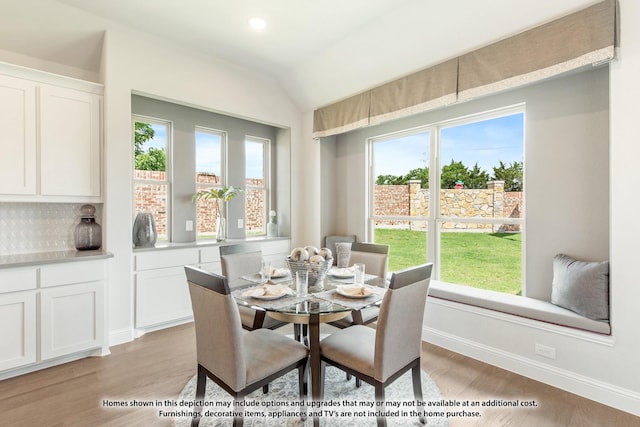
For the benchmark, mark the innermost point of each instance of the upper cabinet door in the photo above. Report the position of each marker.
(69, 142)
(17, 136)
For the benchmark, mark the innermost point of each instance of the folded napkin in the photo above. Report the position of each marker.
(268, 291)
(357, 290)
(279, 272)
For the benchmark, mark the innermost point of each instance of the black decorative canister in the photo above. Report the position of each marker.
(88, 233)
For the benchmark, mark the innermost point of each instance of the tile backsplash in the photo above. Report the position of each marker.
(39, 227)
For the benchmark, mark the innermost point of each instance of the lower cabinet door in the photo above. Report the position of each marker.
(71, 319)
(162, 296)
(18, 331)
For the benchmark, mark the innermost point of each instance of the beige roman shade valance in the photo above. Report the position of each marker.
(418, 92)
(343, 116)
(568, 43)
(582, 38)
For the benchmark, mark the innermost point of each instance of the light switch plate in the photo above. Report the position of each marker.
(240, 223)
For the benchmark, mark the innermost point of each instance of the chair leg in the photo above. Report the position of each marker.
(265, 389)
(200, 388)
(417, 389)
(381, 421)
(358, 382)
(238, 420)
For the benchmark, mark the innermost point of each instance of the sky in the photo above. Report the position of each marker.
(485, 143)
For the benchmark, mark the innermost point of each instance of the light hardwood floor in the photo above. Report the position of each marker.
(157, 365)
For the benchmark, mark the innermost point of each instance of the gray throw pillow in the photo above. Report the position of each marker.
(580, 286)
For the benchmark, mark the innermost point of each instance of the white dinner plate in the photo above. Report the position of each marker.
(342, 273)
(354, 291)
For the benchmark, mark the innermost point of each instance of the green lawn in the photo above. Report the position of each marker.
(483, 260)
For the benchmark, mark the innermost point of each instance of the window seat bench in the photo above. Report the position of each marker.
(516, 305)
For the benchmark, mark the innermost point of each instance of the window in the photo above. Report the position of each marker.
(256, 185)
(152, 186)
(210, 172)
(464, 214)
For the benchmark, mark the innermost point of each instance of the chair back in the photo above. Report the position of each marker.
(375, 257)
(399, 328)
(239, 260)
(219, 342)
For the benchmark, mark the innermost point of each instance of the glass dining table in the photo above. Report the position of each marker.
(325, 303)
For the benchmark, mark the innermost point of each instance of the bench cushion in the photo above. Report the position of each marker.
(530, 308)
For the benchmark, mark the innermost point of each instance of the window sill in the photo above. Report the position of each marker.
(515, 305)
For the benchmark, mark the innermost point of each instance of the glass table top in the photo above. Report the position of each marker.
(321, 299)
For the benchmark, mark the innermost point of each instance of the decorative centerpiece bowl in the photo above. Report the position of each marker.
(317, 270)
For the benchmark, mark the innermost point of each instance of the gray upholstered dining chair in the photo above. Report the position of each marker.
(375, 258)
(241, 260)
(237, 361)
(380, 356)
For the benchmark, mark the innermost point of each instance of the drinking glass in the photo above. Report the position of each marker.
(302, 283)
(265, 271)
(359, 273)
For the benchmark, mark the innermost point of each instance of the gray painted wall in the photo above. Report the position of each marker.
(184, 120)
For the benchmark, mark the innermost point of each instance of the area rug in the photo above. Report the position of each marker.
(344, 404)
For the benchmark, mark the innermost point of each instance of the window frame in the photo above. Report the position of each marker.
(168, 167)
(223, 169)
(266, 181)
(434, 220)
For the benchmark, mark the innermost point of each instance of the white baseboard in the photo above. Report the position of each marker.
(617, 397)
(121, 336)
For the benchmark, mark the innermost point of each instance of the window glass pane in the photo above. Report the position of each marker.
(151, 185)
(153, 198)
(470, 153)
(484, 258)
(407, 242)
(254, 158)
(255, 186)
(208, 155)
(209, 172)
(481, 179)
(400, 190)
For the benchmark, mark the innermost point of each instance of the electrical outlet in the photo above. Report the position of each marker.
(188, 225)
(545, 351)
(240, 223)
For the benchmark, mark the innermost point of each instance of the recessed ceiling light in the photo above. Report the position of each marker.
(258, 23)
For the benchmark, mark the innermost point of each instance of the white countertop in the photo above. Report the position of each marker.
(38, 258)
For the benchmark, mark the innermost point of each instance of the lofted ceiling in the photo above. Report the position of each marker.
(320, 51)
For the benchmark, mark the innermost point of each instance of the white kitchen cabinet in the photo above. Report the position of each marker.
(162, 294)
(51, 313)
(71, 308)
(71, 319)
(50, 137)
(70, 147)
(17, 136)
(18, 333)
(17, 317)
